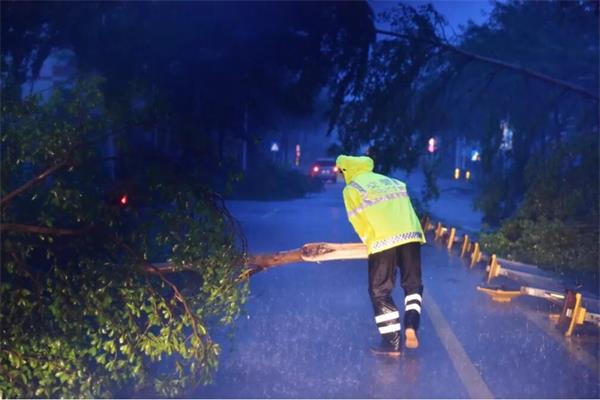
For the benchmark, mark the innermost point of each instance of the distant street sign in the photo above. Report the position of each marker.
(507, 137)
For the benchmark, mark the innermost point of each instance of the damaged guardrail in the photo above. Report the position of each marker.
(573, 313)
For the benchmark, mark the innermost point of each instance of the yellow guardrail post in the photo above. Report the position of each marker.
(573, 313)
(438, 231)
(451, 238)
(493, 268)
(429, 226)
(465, 246)
(426, 224)
(577, 315)
(475, 255)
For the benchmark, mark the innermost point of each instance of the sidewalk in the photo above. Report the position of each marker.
(454, 206)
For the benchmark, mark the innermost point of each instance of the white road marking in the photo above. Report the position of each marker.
(469, 375)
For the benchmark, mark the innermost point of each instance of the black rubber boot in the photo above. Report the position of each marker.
(391, 345)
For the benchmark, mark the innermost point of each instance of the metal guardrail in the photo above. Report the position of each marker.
(573, 313)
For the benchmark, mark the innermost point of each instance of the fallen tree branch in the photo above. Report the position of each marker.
(38, 179)
(505, 65)
(150, 268)
(310, 252)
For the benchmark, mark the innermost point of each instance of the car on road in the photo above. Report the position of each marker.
(324, 169)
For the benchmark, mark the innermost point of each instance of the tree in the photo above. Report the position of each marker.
(443, 76)
(206, 70)
(84, 311)
(542, 82)
(538, 111)
(88, 307)
(383, 112)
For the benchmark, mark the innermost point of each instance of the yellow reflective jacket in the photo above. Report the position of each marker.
(378, 207)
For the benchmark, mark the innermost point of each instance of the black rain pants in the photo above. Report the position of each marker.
(382, 279)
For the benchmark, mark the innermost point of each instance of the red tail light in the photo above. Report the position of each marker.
(123, 200)
(335, 169)
(316, 168)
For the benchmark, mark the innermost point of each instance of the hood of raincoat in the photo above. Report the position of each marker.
(352, 166)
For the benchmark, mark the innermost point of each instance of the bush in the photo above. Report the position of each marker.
(557, 224)
(551, 244)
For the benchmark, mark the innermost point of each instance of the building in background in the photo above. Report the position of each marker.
(58, 69)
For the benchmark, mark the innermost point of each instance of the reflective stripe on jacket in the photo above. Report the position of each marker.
(378, 207)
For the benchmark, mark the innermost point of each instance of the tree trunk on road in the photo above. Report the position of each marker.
(311, 252)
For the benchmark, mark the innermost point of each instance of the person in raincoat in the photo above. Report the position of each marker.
(382, 215)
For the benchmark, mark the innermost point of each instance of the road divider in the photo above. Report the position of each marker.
(466, 246)
(451, 238)
(573, 312)
(475, 255)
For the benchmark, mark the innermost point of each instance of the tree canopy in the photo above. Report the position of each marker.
(204, 69)
(84, 310)
(532, 66)
(114, 280)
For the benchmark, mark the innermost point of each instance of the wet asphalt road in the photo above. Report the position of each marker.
(308, 327)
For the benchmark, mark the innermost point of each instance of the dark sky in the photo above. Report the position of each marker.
(457, 12)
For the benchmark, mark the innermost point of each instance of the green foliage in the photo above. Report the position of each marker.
(417, 87)
(271, 181)
(86, 315)
(391, 111)
(551, 244)
(83, 313)
(557, 224)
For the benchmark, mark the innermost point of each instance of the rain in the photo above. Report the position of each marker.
(199, 199)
